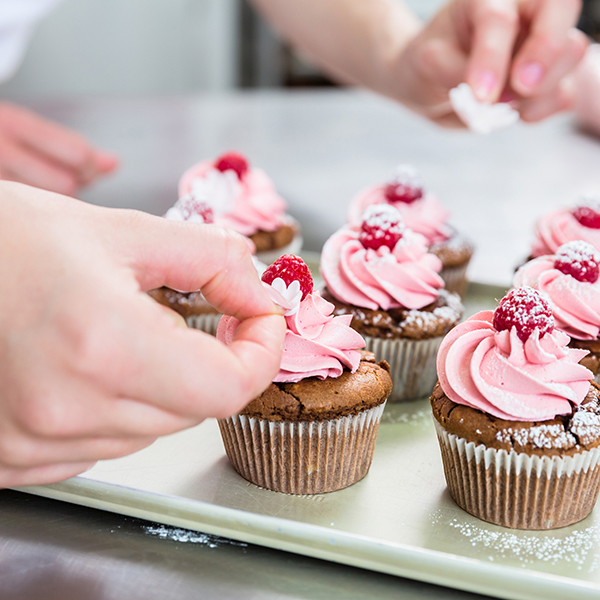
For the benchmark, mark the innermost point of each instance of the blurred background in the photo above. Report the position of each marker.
(171, 46)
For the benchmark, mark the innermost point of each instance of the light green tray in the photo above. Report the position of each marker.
(400, 519)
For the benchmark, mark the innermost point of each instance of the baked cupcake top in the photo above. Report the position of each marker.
(512, 363)
(242, 197)
(570, 281)
(316, 343)
(568, 224)
(405, 191)
(382, 264)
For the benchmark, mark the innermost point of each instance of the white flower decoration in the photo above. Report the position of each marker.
(219, 188)
(288, 297)
(479, 116)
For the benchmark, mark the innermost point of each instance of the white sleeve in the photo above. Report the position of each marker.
(17, 22)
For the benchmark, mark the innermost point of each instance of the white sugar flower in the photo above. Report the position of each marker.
(288, 297)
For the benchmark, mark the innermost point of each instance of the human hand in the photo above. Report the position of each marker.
(523, 51)
(39, 152)
(91, 367)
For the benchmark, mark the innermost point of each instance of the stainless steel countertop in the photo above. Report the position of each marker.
(320, 148)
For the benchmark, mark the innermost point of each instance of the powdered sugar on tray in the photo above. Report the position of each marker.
(194, 537)
(579, 547)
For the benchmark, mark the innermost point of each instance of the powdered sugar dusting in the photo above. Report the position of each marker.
(577, 547)
(177, 534)
(539, 436)
(579, 259)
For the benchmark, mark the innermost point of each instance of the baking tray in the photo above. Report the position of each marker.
(399, 519)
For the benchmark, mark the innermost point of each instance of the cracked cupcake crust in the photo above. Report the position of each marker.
(186, 304)
(434, 320)
(314, 399)
(564, 435)
(456, 251)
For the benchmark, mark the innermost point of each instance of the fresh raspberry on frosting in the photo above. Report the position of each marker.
(525, 309)
(578, 259)
(406, 185)
(232, 161)
(191, 208)
(588, 212)
(290, 268)
(382, 225)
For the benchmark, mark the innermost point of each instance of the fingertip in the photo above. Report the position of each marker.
(106, 162)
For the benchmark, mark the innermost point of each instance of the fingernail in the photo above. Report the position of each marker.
(530, 74)
(278, 310)
(485, 83)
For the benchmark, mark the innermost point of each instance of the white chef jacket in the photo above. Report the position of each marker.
(17, 22)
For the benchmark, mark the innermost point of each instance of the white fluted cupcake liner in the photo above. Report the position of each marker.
(517, 490)
(207, 322)
(302, 457)
(455, 279)
(270, 256)
(412, 364)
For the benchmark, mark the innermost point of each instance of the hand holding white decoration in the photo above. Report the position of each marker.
(481, 117)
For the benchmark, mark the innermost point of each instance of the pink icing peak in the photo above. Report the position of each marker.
(525, 310)
(316, 343)
(497, 373)
(406, 276)
(382, 225)
(578, 259)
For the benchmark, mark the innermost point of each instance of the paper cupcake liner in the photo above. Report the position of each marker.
(302, 457)
(517, 490)
(270, 256)
(206, 322)
(412, 363)
(455, 278)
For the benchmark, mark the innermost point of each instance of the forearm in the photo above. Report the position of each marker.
(356, 41)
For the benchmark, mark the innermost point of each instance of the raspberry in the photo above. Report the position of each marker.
(382, 225)
(232, 161)
(588, 212)
(578, 259)
(406, 185)
(189, 206)
(526, 309)
(290, 268)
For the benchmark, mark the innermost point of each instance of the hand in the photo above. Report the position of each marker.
(91, 367)
(521, 50)
(44, 154)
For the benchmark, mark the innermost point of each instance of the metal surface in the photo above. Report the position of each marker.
(399, 520)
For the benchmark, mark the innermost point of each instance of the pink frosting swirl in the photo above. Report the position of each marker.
(425, 216)
(497, 373)
(247, 205)
(406, 276)
(316, 344)
(557, 228)
(575, 304)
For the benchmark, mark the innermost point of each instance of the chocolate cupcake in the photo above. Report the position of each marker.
(422, 213)
(313, 430)
(517, 420)
(571, 283)
(383, 276)
(244, 198)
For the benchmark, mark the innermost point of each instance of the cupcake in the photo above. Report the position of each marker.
(384, 277)
(314, 428)
(243, 198)
(517, 419)
(423, 213)
(570, 281)
(566, 225)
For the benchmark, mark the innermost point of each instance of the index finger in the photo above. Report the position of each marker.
(495, 28)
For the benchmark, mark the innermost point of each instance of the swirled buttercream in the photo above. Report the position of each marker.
(316, 344)
(575, 304)
(425, 215)
(557, 228)
(497, 373)
(406, 276)
(247, 205)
